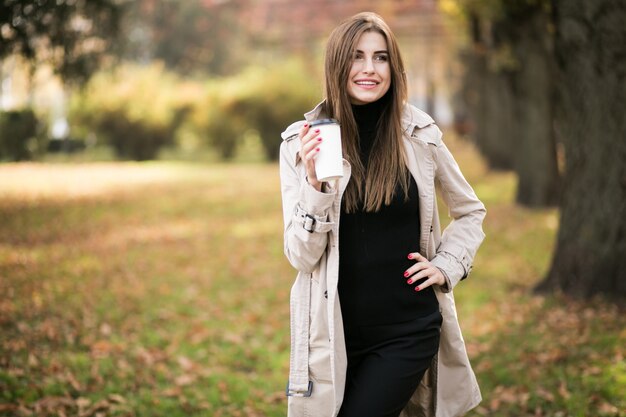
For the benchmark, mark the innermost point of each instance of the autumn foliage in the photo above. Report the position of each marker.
(161, 289)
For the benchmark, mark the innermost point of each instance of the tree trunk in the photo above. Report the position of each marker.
(590, 255)
(1, 84)
(535, 146)
(490, 107)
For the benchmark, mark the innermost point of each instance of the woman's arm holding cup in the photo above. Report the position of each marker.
(310, 140)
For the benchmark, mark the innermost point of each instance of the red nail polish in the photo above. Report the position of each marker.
(406, 274)
(317, 131)
(417, 288)
(319, 139)
(317, 150)
(306, 125)
(409, 256)
(409, 281)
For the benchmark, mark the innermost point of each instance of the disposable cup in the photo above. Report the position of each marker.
(329, 159)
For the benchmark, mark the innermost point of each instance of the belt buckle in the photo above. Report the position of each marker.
(309, 223)
(306, 393)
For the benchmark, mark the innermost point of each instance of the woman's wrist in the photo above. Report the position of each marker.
(315, 184)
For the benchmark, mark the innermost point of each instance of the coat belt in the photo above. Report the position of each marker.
(299, 384)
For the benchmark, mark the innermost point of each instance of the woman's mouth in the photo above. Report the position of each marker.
(367, 84)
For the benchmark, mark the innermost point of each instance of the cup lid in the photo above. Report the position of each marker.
(323, 122)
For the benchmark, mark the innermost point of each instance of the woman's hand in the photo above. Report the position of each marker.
(309, 141)
(423, 269)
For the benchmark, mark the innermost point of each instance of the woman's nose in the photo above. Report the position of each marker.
(368, 66)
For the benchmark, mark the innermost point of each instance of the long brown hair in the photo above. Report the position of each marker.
(386, 165)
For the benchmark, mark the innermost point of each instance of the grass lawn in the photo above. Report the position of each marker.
(161, 289)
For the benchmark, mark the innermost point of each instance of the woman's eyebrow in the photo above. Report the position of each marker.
(376, 52)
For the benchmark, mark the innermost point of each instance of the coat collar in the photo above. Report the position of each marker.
(318, 112)
(413, 119)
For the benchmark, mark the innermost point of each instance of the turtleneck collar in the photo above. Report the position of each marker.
(367, 115)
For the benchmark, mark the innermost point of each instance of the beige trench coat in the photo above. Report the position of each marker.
(311, 220)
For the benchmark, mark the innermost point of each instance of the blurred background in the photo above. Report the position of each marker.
(141, 265)
(147, 76)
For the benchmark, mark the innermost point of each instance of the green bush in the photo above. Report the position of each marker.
(279, 96)
(219, 116)
(136, 110)
(265, 99)
(20, 137)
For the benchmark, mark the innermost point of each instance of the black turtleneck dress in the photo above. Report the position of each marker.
(391, 330)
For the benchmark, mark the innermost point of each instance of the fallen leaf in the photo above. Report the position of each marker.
(32, 360)
(545, 394)
(563, 392)
(96, 409)
(184, 380)
(83, 402)
(185, 363)
(105, 329)
(607, 408)
(8, 407)
(117, 398)
(172, 392)
(102, 348)
(73, 381)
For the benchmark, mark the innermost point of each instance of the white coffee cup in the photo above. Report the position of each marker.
(329, 159)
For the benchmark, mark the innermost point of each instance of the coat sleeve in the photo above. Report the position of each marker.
(305, 215)
(461, 239)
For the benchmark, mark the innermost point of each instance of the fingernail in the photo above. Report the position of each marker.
(409, 281)
(319, 139)
(406, 273)
(306, 125)
(317, 150)
(417, 288)
(317, 131)
(410, 256)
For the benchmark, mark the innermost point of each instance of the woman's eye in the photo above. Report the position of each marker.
(380, 58)
(358, 57)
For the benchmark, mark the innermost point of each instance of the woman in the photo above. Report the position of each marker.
(374, 330)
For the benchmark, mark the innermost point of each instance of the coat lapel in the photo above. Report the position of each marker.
(421, 167)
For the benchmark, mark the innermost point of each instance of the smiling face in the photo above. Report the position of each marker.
(370, 74)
